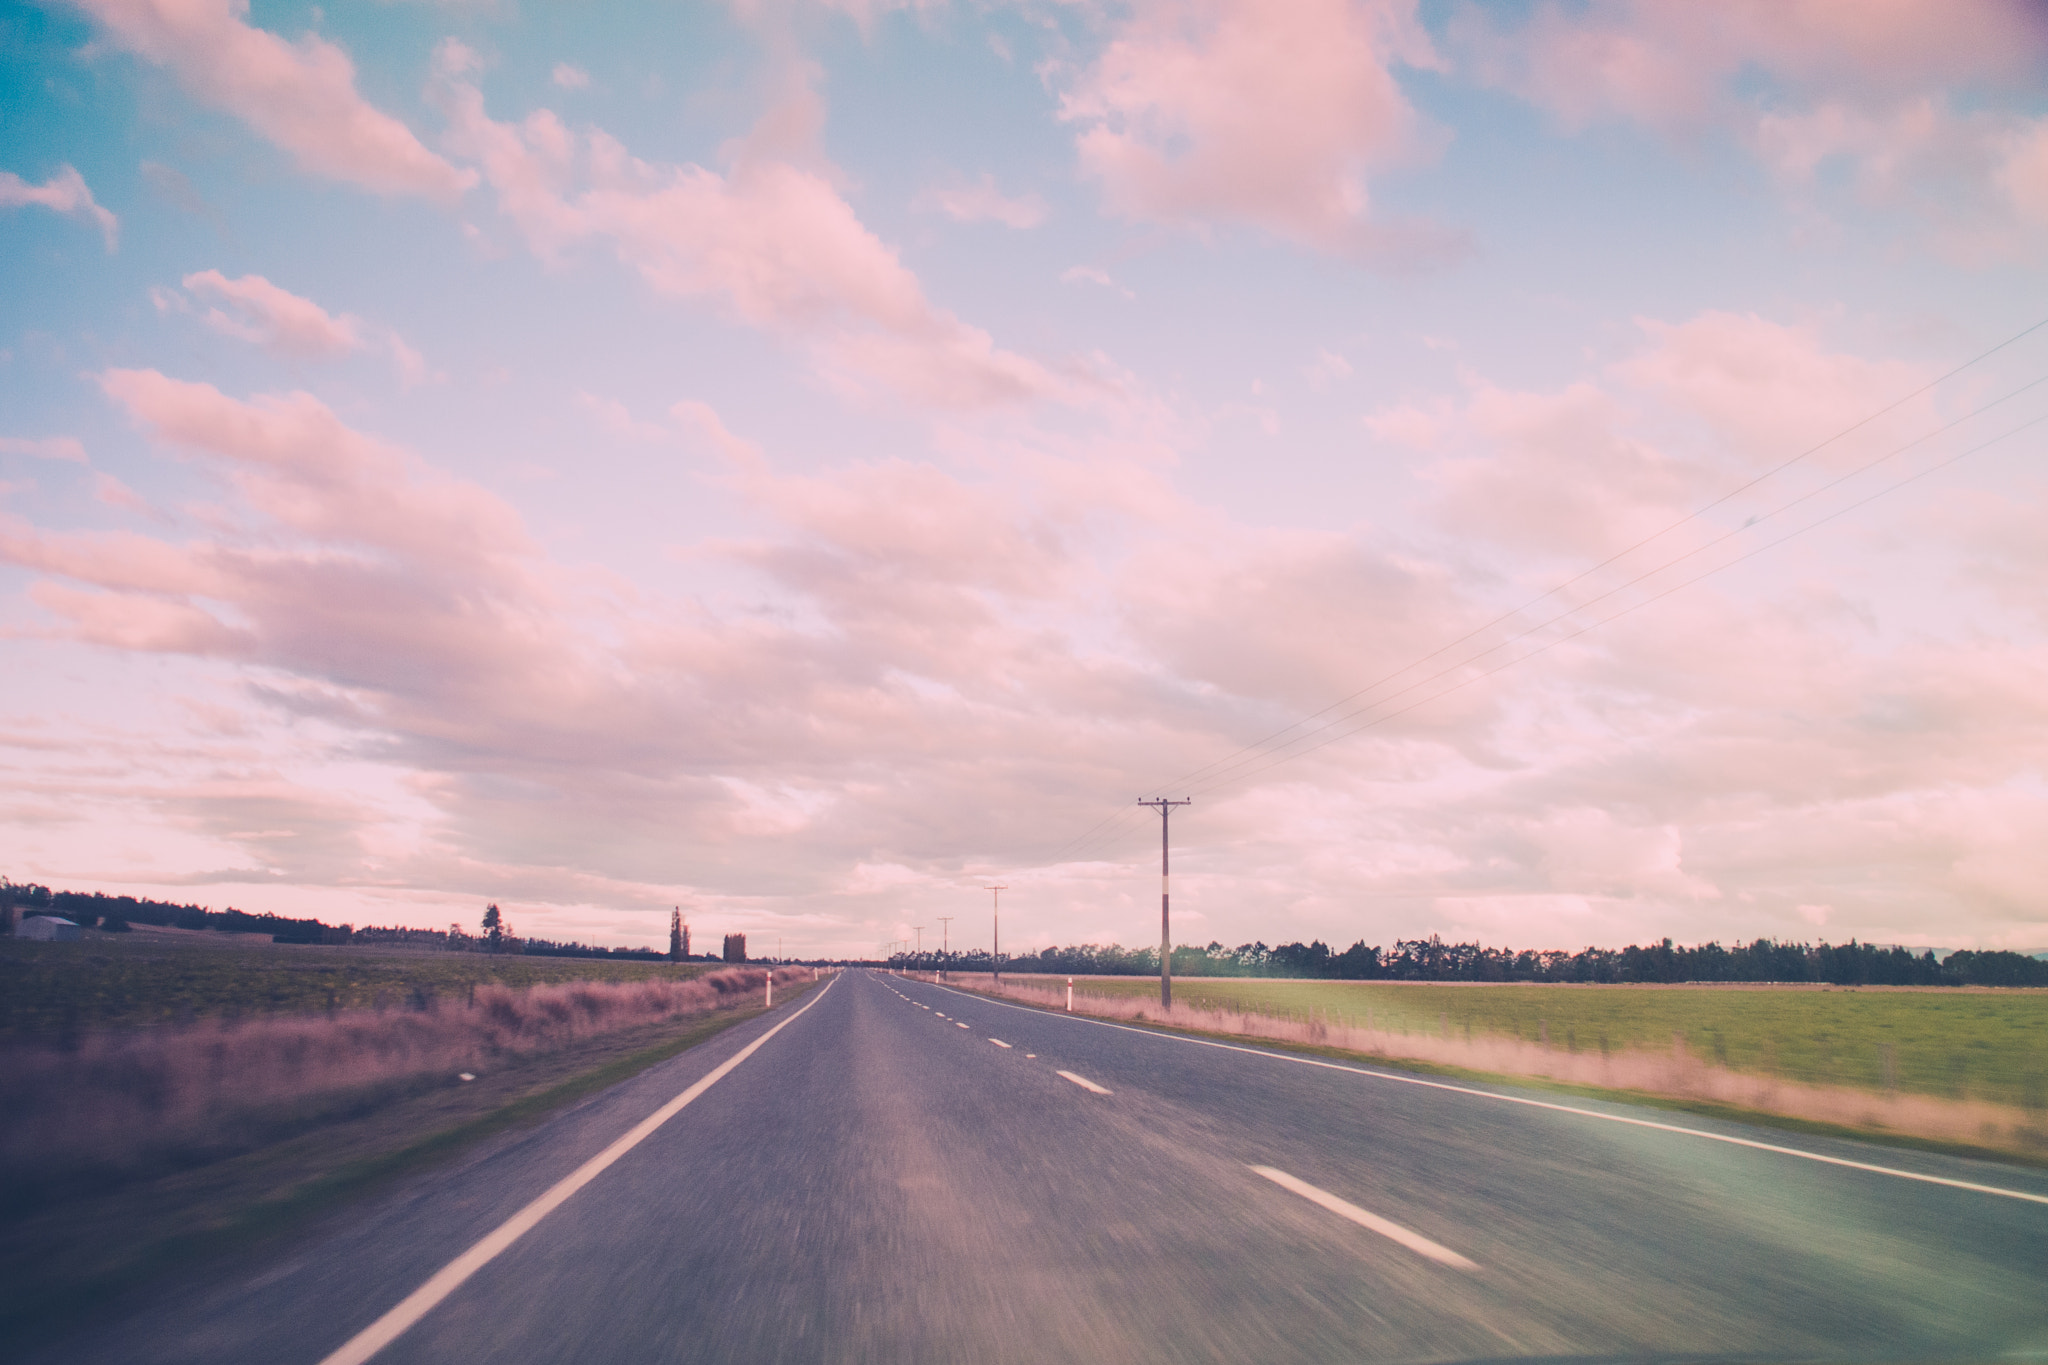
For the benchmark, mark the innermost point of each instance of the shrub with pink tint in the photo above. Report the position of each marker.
(195, 1092)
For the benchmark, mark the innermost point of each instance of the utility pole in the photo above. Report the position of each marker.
(920, 938)
(995, 956)
(1165, 918)
(945, 940)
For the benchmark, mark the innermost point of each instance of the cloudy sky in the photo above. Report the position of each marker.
(1553, 473)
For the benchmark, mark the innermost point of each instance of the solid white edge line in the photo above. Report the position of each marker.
(1086, 1084)
(1344, 1208)
(449, 1278)
(1751, 1143)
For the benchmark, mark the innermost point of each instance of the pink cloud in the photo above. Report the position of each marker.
(300, 96)
(64, 192)
(295, 461)
(771, 240)
(982, 202)
(1670, 65)
(68, 448)
(1200, 111)
(277, 319)
(615, 419)
(1914, 95)
(918, 645)
(261, 313)
(1560, 474)
(1766, 390)
(1702, 406)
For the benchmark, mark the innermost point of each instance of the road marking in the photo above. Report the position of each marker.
(1032, 1055)
(998, 1042)
(1344, 1208)
(1730, 1139)
(450, 1277)
(959, 1025)
(1086, 1084)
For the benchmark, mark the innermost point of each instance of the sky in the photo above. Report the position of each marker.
(1552, 474)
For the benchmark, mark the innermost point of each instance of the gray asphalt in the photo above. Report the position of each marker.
(879, 1184)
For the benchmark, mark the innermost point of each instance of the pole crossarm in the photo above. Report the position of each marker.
(1165, 809)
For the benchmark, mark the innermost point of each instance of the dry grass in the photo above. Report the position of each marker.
(120, 1102)
(63, 1259)
(59, 992)
(1677, 1072)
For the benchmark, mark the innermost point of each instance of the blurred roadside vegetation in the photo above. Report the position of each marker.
(1970, 1043)
(57, 992)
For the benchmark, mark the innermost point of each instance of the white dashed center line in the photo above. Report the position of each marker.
(959, 1025)
(1344, 1208)
(1086, 1084)
(998, 1042)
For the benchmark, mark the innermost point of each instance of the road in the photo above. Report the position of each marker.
(883, 1180)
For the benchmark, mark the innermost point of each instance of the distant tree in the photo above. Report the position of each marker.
(735, 947)
(676, 949)
(494, 928)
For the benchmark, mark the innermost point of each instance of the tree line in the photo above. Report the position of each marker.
(115, 914)
(1431, 959)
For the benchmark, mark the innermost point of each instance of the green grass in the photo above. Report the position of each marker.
(52, 991)
(1989, 1045)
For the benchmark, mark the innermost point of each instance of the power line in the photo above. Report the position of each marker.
(1655, 597)
(1647, 574)
(1654, 536)
(1234, 766)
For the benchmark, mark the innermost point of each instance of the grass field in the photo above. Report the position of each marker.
(60, 1261)
(56, 991)
(1980, 1044)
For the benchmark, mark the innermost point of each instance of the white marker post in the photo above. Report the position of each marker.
(769, 1004)
(1070, 995)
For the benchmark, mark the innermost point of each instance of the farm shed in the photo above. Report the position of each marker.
(48, 929)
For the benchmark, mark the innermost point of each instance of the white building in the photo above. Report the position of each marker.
(48, 929)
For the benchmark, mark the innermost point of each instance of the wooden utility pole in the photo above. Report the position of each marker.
(995, 955)
(945, 940)
(1165, 916)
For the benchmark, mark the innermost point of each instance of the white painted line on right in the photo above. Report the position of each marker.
(1086, 1084)
(1729, 1138)
(1344, 1208)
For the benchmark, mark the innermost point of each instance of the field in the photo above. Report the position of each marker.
(63, 1253)
(170, 1092)
(1950, 1043)
(58, 991)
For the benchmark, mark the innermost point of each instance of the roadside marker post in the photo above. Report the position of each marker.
(1070, 995)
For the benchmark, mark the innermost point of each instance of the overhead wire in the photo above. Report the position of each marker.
(1654, 597)
(1650, 573)
(1233, 766)
(1626, 551)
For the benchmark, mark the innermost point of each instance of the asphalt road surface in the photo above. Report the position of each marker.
(903, 1173)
